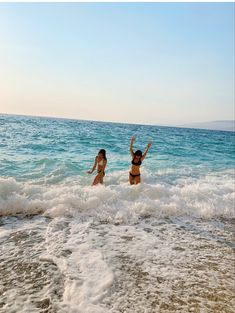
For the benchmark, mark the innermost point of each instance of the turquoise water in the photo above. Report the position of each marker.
(34, 148)
(163, 246)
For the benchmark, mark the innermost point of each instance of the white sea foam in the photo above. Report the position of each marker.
(116, 250)
(106, 267)
(156, 247)
(208, 196)
(87, 276)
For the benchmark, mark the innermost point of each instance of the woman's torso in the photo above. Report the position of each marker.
(135, 167)
(100, 164)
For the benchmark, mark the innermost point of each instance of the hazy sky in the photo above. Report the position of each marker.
(129, 62)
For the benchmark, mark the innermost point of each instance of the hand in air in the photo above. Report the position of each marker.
(149, 144)
(133, 139)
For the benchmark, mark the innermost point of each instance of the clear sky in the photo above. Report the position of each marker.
(166, 63)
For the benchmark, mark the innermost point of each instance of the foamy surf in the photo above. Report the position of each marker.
(179, 264)
(163, 246)
(206, 196)
(118, 248)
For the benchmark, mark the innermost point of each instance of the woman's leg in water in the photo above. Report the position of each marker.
(98, 179)
(131, 180)
(137, 180)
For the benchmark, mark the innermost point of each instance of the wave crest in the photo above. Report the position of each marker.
(207, 196)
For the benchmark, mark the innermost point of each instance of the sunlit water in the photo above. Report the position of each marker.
(163, 246)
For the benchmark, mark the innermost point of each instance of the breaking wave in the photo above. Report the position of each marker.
(207, 196)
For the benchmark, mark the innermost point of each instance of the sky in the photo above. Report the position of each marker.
(150, 63)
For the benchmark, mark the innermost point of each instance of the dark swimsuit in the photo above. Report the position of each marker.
(138, 164)
(101, 171)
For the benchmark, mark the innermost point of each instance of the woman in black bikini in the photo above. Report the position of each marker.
(100, 163)
(137, 159)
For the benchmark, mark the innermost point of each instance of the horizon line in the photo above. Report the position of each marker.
(128, 123)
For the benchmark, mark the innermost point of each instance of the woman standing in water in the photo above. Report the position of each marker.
(137, 159)
(100, 163)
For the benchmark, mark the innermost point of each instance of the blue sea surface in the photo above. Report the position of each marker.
(39, 149)
(165, 245)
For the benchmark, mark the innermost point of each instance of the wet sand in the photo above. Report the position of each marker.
(159, 266)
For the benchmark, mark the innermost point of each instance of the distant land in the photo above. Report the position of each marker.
(228, 125)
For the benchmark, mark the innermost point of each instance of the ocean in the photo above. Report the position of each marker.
(165, 245)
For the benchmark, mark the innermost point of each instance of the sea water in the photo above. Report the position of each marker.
(165, 245)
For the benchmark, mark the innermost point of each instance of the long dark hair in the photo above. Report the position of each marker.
(103, 152)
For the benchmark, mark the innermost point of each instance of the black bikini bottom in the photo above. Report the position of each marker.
(101, 171)
(133, 176)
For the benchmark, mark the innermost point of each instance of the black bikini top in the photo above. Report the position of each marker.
(138, 163)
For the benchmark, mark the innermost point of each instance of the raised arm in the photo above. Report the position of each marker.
(146, 151)
(131, 146)
(94, 166)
